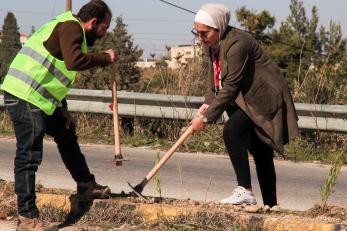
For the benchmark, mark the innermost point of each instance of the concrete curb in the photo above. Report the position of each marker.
(153, 212)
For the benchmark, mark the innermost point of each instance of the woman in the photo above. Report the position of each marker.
(244, 82)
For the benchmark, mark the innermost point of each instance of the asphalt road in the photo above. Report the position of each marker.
(197, 176)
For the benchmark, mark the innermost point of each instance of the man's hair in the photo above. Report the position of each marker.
(94, 9)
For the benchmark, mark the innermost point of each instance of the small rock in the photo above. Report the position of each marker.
(276, 208)
(2, 215)
(196, 203)
(266, 209)
(253, 208)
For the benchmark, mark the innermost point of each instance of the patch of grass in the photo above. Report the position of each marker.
(110, 217)
(138, 140)
(329, 185)
(7, 199)
(201, 221)
(5, 123)
(302, 149)
(52, 214)
(115, 215)
(157, 181)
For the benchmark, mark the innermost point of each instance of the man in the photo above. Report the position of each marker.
(35, 88)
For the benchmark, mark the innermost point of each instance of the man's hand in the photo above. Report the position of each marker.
(112, 54)
(70, 121)
(202, 109)
(197, 124)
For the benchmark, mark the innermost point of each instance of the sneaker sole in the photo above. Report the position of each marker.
(241, 203)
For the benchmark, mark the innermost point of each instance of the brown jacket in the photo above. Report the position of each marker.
(65, 43)
(252, 81)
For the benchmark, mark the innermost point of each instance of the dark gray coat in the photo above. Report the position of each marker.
(252, 81)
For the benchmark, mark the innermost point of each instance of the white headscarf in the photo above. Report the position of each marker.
(214, 15)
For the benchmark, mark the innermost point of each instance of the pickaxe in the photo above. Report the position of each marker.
(118, 158)
(137, 190)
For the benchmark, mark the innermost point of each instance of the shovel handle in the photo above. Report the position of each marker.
(169, 153)
(115, 111)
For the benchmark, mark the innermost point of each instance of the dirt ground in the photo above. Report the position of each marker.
(208, 216)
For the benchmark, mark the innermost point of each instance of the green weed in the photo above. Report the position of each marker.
(329, 185)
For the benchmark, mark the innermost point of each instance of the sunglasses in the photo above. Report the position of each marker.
(201, 34)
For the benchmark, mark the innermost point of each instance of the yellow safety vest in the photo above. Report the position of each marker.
(35, 75)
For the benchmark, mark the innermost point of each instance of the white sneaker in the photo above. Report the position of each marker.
(240, 196)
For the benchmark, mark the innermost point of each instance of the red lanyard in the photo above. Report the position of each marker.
(216, 68)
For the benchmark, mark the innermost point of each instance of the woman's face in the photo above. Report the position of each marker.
(207, 35)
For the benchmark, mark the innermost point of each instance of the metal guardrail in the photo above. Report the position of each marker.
(133, 104)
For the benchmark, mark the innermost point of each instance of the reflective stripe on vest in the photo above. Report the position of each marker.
(34, 84)
(46, 63)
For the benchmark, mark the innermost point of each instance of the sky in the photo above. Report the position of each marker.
(154, 24)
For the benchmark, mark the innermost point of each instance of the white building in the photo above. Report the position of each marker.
(23, 38)
(183, 53)
(179, 55)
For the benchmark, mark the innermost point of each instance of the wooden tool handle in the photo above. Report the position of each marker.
(115, 111)
(172, 150)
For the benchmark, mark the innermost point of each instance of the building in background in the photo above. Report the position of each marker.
(178, 56)
(183, 54)
(23, 38)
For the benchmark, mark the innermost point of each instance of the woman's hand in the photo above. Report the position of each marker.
(197, 124)
(112, 54)
(202, 109)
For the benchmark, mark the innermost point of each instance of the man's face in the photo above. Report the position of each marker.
(98, 31)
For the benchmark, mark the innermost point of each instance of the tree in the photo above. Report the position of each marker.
(296, 42)
(10, 43)
(254, 22)
(152, 55)
(32, 30)
(312, 59)
(127, 55)
(168, 54)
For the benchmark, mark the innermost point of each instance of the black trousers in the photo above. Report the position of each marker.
(239, 136)
(30, 125)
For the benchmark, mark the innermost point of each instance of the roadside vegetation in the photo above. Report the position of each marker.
(123, 214)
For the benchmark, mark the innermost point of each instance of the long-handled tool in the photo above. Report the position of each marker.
(137, 190)
(118, 158)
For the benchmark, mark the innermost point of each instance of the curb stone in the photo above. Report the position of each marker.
(153, 212)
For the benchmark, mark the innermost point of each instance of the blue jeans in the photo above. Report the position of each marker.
(30, 125)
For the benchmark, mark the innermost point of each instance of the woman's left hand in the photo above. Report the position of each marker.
(197, 124)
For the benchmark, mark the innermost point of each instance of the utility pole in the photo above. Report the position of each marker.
(68, 5)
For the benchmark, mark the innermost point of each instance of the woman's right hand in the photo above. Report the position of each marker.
(112, 55)
(202, 109)
(197, 124)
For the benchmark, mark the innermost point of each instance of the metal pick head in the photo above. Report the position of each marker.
(136, 193)
(118, 159)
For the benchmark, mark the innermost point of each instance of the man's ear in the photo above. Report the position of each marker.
(90, 24)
